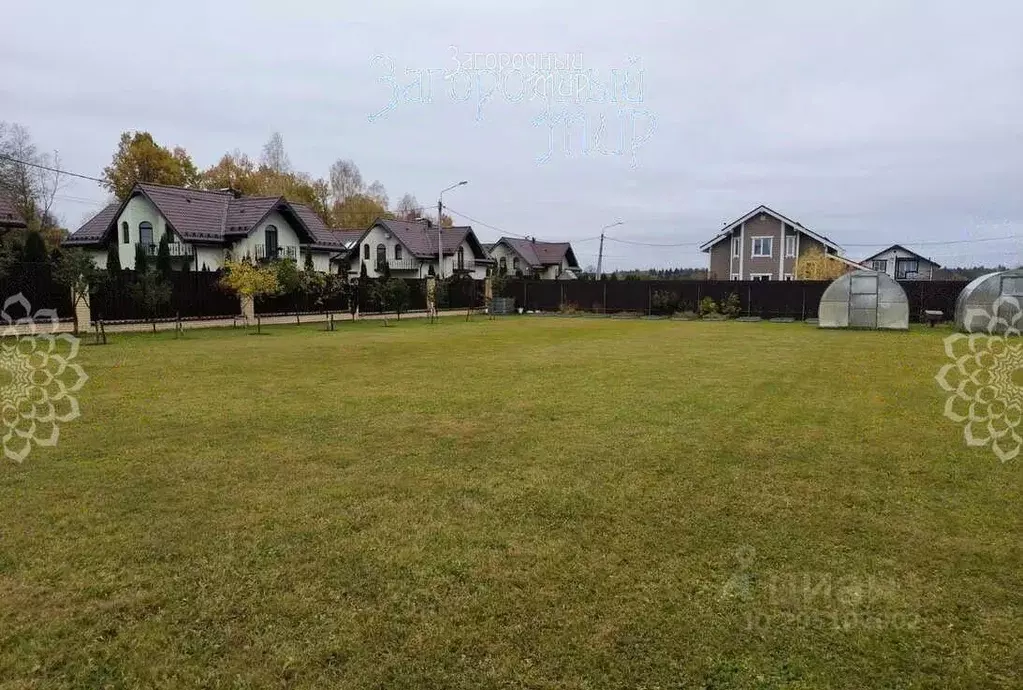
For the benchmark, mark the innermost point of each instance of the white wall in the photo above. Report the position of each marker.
(212, 257)
(380, 235)
(286, 237)
(138, 210)
(499, 251)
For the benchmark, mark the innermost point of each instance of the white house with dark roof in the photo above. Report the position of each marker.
(902, 264)
(544, 260)
(410, 249)
(205, 228)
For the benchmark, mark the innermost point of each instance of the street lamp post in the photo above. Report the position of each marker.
(440, 214)
(600, 255)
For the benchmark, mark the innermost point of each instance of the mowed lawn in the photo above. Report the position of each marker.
(519, 503)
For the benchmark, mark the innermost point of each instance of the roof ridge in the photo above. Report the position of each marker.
(187, 189)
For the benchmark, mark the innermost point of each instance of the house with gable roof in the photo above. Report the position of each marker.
(902, 264)
(410, 249)
(763, 245)
(204, 228)
(544, 260)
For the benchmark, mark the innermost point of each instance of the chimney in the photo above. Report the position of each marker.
(429, 223)
(232, 191)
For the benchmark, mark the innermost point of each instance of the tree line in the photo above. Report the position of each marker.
(342, 198)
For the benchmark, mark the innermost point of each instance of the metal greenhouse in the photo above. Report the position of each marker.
(864, 299)
(991, 303)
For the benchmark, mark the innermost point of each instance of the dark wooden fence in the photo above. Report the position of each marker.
(36, 283)
(766, 299)
(194, 295)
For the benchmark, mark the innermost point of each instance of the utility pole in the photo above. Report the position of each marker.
(600, 255)
(440, 214)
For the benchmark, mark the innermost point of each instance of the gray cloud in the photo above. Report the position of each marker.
(872, 122)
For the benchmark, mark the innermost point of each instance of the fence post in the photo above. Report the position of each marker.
(649, 301)
(749, 301)
(605, 297)
(803, 317)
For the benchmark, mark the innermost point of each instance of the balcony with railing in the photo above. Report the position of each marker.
(466, 264)
(265, 253)
(404, 264)
(178, 250)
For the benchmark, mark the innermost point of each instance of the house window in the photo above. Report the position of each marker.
(270, 237)
(759, 276)
(381, 255)
(515, 264)
(125, 233)
(397, 252)
(736, 247)
(905, 268)
(503, 265)
(790, 245)
(461, 258)
(145, 233)
(879, 265)
(365, 252)
(763, 246)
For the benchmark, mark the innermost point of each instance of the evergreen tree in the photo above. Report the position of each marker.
(113, 258)
(163, 258)
(141, 258)
(35, 248)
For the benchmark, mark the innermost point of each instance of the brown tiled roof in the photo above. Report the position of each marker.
(538, 254)
(95, 229)
(204, 216)
(420, 238)
(194, 214)
(9, 215)
(245, 212)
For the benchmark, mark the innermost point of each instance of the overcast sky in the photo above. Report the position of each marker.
(872, 122)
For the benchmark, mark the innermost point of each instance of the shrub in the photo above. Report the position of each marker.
(569, 308)
(731, 306)
(708, 306)
(663, 302)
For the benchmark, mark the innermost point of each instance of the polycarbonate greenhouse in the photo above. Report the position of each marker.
(864, 299)
(991, 303)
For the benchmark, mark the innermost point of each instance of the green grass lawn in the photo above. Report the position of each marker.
(521, 503)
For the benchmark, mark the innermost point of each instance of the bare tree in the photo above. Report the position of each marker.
(274, 156)
(345, 180)
(378, 193)
(409, 208)
(30, 178)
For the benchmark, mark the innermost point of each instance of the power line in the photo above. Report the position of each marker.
(504, 232)
(46, 167)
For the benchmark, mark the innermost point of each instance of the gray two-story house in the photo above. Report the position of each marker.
(763, 245)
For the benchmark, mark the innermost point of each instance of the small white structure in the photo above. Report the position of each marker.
(864, 299)
(991, 303)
